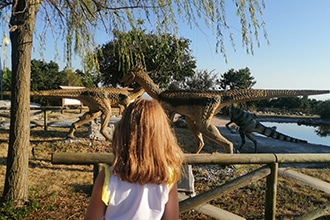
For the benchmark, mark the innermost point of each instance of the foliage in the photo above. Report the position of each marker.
(324, 110)
(88, 78)
(165, 57)
(296, 104)
(45, 75)
(71, 78)
(286, 103)
(12, 212)
(237, 79)
(201, 80)
(78, 22)
(6, 79)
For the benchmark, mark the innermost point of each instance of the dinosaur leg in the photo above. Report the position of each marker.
(211, 132)
(250, 136)
(227, 125)
(196, 134)
(105, 118)
(85, 118)
(241, 133)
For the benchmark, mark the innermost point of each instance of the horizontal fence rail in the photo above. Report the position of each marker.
(215, 158)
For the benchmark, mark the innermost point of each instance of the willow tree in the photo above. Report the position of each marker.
(75, 22)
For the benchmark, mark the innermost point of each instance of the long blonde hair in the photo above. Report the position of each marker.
(144, 145)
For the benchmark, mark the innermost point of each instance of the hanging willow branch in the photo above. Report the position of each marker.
(77, 21)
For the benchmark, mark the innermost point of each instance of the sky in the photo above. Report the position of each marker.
(298, 56)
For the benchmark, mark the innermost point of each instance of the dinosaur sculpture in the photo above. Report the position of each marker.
(198, 107)
(98, 101)
(248, 123)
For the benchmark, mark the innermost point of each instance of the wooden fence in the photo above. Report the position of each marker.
(270, 171)
(45, 109)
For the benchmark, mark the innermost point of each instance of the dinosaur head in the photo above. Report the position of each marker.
(129, 77)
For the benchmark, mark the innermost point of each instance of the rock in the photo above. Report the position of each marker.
(94, 129)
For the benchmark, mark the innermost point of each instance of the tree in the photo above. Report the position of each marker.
(325, 110)
(90, 78)
(22, 23)
(71, 78)
(77, 22)
(240, 79)
(166, 57)
(45, 75)
(201, 80)
(286, 102)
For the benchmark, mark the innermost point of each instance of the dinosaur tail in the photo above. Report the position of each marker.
(76, 93)
(270, 132)
(63, 93)
(48, 93)
(241, 95)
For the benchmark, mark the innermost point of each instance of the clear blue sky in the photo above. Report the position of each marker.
(298, 56)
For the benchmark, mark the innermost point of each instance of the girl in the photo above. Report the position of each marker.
(141, 184)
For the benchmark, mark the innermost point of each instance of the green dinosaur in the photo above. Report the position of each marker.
(248, 123)
(98, 101)
(199, 107)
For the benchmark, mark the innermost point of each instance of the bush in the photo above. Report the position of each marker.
(325, 110)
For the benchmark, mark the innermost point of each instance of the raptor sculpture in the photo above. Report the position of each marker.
(98, 101)
(248, 124)
(199, 107)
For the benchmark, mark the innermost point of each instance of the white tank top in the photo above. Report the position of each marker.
(128, 201)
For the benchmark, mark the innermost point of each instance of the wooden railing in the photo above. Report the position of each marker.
(45, 109)
(270, 171)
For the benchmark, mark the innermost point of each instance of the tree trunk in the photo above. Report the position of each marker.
(21, 34)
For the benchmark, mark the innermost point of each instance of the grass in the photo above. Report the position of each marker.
(62, 191)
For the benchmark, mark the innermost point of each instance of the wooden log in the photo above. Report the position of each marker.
(305, 179)
(81, 158)
(241, 181)
(212, 211)
(322, 211)
(215, 158)
(303, 158)
(218, 158)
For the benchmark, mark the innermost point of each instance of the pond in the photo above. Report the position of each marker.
(315, 135)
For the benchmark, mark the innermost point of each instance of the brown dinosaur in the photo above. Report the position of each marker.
(199, 107)
(98, 101)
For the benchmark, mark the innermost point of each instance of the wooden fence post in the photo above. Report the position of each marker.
(45, 119)
(271, 191)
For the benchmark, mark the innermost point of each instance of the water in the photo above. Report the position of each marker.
(315, 135)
